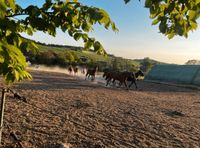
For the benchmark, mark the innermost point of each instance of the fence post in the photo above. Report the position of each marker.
(3, 98)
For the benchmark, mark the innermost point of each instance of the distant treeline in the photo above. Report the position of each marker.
(61, 46)
(64, 55)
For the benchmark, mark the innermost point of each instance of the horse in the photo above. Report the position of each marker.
(122, 77)
(134, 77)
(83, 71)
(75, 69)
(91, 72)
(70, 69)
(106, 74)
(110, 75)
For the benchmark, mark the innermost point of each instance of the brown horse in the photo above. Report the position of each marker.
(91, 72)
(70, 69)
(75, 69)
(110, 75)
(106, 74)
(122, 77)
(134, 78)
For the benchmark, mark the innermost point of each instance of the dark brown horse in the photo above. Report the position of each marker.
(122, 77)
(91, 72)
(75, 69)
(110, 75)
(70, 69)
(106, 74)
(134, 77)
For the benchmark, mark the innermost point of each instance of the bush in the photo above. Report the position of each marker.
(47, 58)
(69, 57)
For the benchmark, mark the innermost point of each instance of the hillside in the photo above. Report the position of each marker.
(50, 54)
(154, 62)
(79, 51)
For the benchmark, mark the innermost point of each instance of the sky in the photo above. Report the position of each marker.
(136, 38)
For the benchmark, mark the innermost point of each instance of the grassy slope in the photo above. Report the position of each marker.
(83, 53)
(80, 53)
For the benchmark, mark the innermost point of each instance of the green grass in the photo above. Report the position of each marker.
(79, 53)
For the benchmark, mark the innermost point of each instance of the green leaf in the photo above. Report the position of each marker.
(32, 46)
(114, 28)
(77, 36)
(171, 7)
(16, 74)
(88, 44)
(156, 21)
(126, 1)
(147, 3)
(194, 25)
(105, 19)
(171, 35)
(192, 15)
(98, 47)
(162, 27)
(11, 4)
(86, 27)
(29, 31)
(3, 8)
(23, 46)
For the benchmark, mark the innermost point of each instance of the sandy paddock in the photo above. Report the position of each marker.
(82, 114)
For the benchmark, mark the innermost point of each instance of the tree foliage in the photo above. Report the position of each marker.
(174, 17)
(146, 65)
(193, 62)
(70, 16)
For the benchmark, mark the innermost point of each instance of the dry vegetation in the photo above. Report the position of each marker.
(64, 109)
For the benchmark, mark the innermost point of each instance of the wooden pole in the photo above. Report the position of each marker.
(2, 111)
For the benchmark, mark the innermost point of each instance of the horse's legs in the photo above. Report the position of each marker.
(107, 82)
(120, 84)
(93, 77)
(135, 84)
(113, 82)
(125, 83)
(86, 76)
(131, 83)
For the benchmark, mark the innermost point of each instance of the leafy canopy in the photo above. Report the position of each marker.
(70, 16)
(175, 17)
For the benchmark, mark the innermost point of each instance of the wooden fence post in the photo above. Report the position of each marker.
(3, 98)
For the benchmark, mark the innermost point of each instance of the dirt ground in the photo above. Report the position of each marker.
(82, 114)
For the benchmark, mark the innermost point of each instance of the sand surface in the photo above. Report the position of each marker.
(83, 114)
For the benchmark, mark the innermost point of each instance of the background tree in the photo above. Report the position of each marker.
(146, 65)
(69, 56)
(193, 62)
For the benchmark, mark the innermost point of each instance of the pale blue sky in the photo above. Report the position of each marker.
(136, 38)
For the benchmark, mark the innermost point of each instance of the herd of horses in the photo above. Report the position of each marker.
(72, 69)
(111, 77)
(122, 77)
